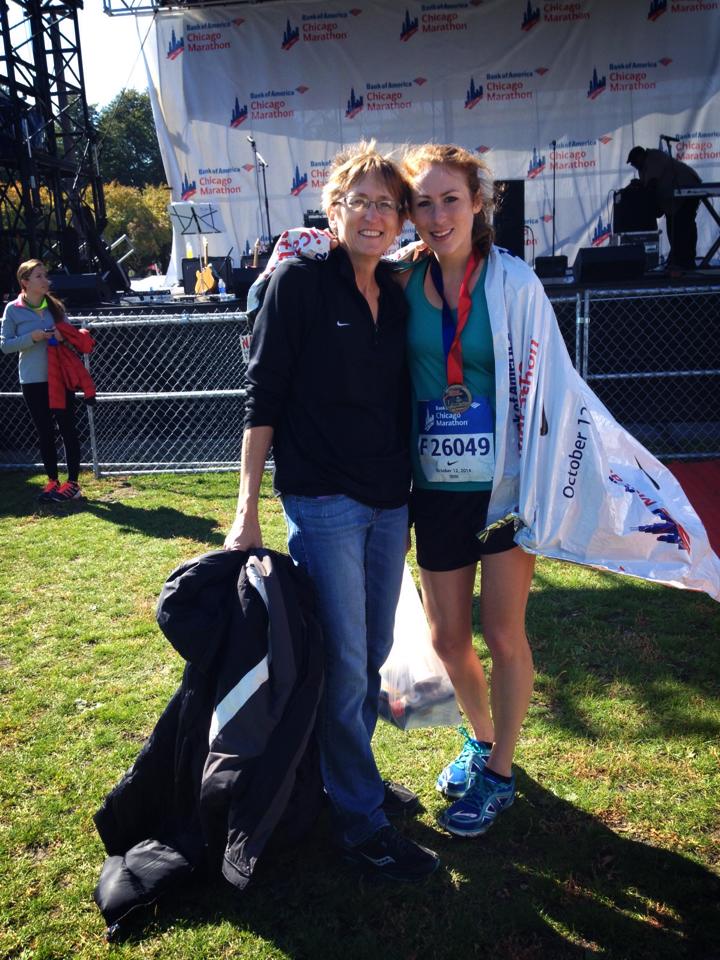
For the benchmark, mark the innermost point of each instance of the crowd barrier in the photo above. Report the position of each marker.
(171, 385)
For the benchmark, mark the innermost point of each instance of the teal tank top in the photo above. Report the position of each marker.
(428, 372)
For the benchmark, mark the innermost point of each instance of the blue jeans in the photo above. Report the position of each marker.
(355, 556)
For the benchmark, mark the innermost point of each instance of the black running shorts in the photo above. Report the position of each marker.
(446, 525)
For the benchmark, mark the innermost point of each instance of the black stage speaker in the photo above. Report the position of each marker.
(609, 263)
(242, 279)
(634, 209)
(221, 267)
(247, 260)
(315, 218)
(510, 216)
(551, 266)
(80, 289)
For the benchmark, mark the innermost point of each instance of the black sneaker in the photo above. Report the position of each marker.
(388, 854)
(399, 801)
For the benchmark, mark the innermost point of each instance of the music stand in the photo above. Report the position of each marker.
(193, 218)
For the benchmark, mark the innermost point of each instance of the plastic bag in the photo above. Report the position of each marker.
(415, 689)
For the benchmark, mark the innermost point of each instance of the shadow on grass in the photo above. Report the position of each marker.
(20, 499)
(19, 493)
(549, 882)
(162, 522)
(652, 647)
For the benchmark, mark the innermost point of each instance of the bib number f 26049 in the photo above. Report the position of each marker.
(456, 448)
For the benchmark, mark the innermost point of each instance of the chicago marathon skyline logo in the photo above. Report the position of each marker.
(597, 85)
(536, 165)
(657, 9)
(188, 188)
(239, 114)
(601, 233)
(354, 105)
(531, 17)
(666, 530)
(290, 36)
(409, 27)
(299, 182)
(176, 46)
(473, 95)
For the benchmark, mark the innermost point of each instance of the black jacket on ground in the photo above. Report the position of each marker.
(215, 777)
(333, 385)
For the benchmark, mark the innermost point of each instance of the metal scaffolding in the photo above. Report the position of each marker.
(51, 197)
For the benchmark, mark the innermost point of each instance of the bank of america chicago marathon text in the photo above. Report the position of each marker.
(200, 42)
(218, 186)
(520, 383)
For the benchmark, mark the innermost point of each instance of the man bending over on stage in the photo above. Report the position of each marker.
(662, 174)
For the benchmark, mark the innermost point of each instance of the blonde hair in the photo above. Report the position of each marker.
(358, 161)
(55, 305)
(477, 174)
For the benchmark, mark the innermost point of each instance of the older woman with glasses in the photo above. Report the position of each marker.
(328, 389)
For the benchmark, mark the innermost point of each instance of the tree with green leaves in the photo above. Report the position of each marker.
(128, 148)
(142, 215)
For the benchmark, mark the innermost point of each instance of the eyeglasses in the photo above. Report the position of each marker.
(358, 203)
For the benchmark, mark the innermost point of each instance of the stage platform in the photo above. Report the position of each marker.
(652, 280)
(557, 288)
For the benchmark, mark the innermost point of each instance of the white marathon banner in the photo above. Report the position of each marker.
(505, 78)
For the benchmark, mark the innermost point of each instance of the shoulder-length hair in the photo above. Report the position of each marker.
(357, 161)
(477, 174)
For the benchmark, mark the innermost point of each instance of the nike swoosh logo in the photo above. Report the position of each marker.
(342, 324)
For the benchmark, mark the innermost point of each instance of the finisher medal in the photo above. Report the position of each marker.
(457, 398)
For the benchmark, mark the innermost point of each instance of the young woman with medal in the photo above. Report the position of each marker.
(328, 389)
(452, 370)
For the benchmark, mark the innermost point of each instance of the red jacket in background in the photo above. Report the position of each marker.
(66, 370)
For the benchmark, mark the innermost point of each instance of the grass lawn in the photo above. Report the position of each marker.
(612, 849)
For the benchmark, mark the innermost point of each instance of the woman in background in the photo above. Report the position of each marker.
(27, 325)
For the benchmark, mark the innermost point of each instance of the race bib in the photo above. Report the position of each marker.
(456, 447)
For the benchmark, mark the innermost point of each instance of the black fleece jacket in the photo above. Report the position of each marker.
(332, 384)
(213, 781)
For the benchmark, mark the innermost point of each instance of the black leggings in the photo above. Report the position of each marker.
(38, 403)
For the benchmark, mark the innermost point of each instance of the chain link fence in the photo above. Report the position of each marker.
(171, 381)
(653, 358)
(171, 394)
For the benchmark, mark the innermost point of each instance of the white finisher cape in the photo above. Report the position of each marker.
(576, 484)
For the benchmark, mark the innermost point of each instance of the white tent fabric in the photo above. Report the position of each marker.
(502, 77)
